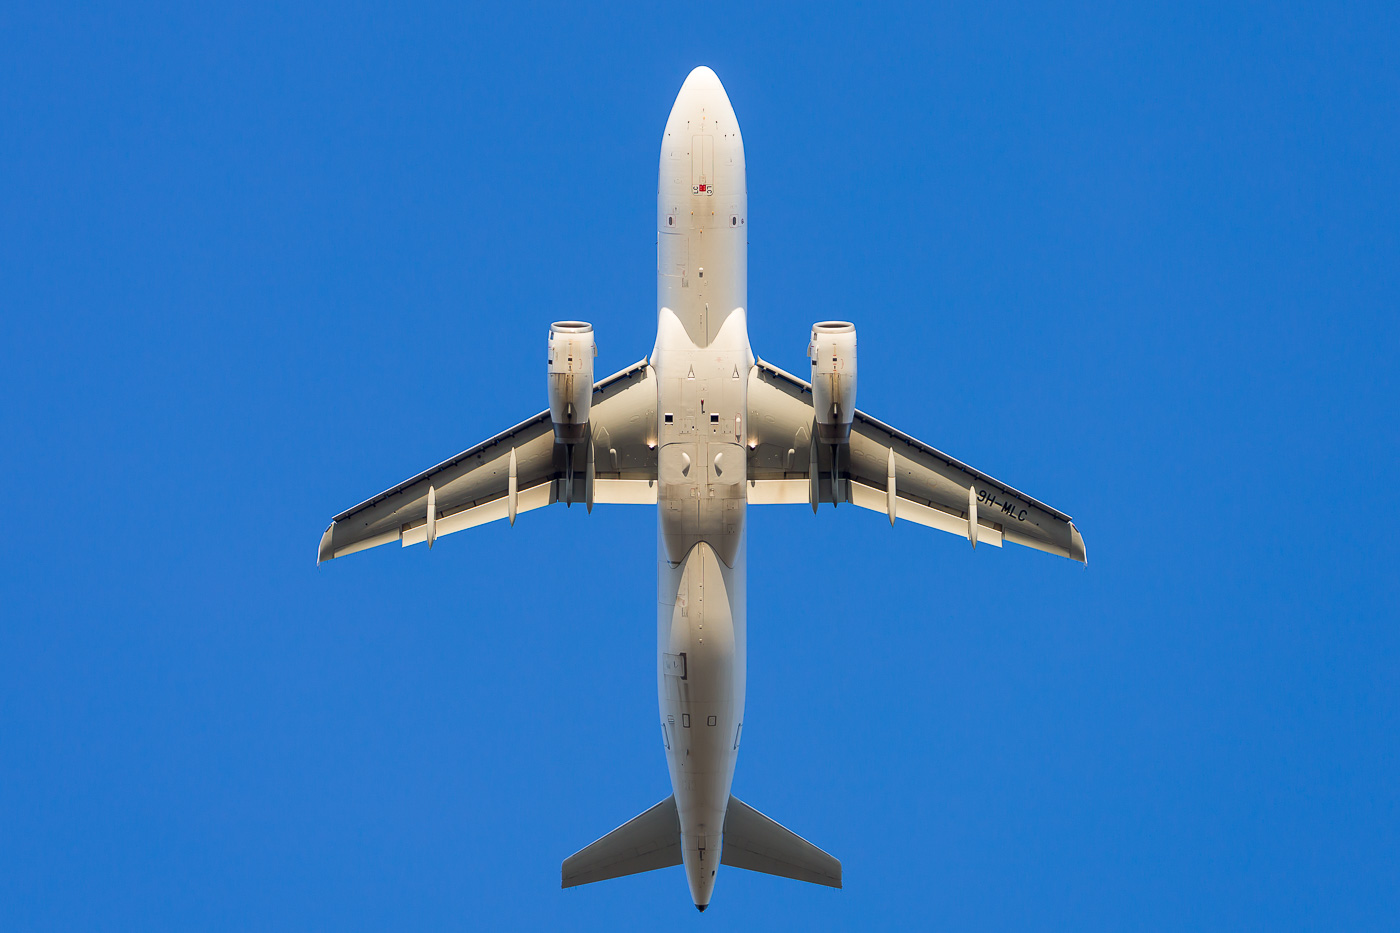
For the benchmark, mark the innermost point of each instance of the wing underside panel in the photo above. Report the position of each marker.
(523, 464)
(883, 469)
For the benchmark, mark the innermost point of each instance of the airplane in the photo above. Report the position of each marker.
(702, 429)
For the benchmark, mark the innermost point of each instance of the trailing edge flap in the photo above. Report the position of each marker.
(650, 840)
(755, 842)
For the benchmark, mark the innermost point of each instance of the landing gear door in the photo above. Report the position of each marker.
(702, 165)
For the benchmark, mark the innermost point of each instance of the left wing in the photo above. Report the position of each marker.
(515, 471)
(886, 470)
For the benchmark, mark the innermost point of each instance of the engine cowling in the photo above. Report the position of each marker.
(571, 353)
(833, 355)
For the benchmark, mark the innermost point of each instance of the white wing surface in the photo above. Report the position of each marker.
(515, 471)
(887, 471)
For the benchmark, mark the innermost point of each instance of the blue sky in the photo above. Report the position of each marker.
(258, 263)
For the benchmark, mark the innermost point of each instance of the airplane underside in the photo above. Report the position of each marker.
(702, 429)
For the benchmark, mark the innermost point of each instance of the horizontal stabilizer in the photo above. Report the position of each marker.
(755, 842)
(651, 840)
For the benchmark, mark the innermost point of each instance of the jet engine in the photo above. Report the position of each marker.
(833, 355)
(571, 353)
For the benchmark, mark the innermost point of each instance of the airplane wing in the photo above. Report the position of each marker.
(886, 470)
(515, 471)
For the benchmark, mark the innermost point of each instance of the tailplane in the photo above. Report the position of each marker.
(653, 840)
(755, 842)
(647, 841)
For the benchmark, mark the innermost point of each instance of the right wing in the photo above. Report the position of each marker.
(886, 470)
(475, 486)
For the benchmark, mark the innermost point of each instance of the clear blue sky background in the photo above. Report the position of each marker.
(257, 264)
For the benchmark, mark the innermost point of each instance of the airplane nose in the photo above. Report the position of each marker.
(702, 76)
(703, 92)
(702, 153)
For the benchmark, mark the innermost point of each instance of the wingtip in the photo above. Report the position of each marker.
(1078, 540)
(324, 551)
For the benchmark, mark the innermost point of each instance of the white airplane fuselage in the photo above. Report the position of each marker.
(702, 360)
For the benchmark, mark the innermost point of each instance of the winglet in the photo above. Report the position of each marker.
(324, 552)
(1078, 541)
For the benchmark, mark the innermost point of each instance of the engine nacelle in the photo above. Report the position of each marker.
(571, 353)
(833, 355)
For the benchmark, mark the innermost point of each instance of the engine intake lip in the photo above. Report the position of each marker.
(571, 327)
(834, 327)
